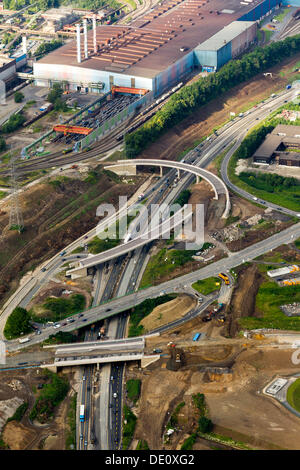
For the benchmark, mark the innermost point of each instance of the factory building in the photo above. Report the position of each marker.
(157, 50)
(227, 44)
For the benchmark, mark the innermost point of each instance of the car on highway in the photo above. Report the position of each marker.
(85, 443)
(108, 310)
(83, 377)
(115, 395)
(64, 324)
(80, 315)
(84, 319)
(81, 437)
(58, 325)
(298, 215)
(43, 270)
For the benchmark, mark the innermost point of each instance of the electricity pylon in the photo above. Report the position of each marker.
(15, 215)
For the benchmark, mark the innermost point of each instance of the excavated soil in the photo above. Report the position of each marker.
(229, 398)
(168, 312)
(243, 298)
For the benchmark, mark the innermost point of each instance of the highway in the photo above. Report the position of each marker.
(204, 154)
(230, 132)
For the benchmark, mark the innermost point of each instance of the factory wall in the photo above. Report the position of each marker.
(243, 40)
(78, 76)
(261, 10)
(173, 74)
(21, 60)
(8, 70)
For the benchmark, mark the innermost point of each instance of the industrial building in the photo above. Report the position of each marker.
(157, 50)
(276, 144)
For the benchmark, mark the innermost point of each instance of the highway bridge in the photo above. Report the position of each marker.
(99, 352)
(80, 268)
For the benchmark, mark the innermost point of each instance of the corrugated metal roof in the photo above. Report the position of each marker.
(227, 34)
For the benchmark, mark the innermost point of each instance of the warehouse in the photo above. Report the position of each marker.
(155, 51)
(279, 146)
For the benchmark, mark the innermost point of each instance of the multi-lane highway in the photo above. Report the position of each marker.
(127, 281)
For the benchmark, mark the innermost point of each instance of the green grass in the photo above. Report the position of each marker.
(206, 286)
(281, 15)
(164, 262)
(49, 398)
(293, 395)
(129, 427)
(173, 422)
(142, 310)
(133, 387)
(71, 420)
(55, 309)
(268, 300)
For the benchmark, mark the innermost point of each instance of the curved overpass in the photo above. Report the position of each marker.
(80, 269)
(219, 187)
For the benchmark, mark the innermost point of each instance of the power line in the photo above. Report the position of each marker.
(15, 215)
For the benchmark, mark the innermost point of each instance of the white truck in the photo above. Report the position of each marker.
(24, 340)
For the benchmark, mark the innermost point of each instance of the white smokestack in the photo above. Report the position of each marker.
(78, 43)
(86, 53)
(94, 34)
(24, 44)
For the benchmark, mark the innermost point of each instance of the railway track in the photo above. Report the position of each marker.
(106, 144)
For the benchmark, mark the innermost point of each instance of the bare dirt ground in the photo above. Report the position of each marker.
(168, 312)
(235, 406)
(203, 121)
(21, 386)
(54, 216)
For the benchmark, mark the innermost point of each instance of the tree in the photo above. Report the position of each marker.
(17, 323)
(18, 97)
(2, 144)
(205, 424)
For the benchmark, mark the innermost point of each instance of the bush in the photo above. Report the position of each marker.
(205, 424)
(17, 323)
(189, 442)
(15, 122)
(133, 389)
(3, 145)
(18, 97)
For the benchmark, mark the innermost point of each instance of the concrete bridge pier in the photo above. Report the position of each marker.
(161, 171)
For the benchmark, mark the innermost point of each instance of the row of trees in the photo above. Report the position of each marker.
(268, 181)
(47, 47)
(191, 97)
(253, 140)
